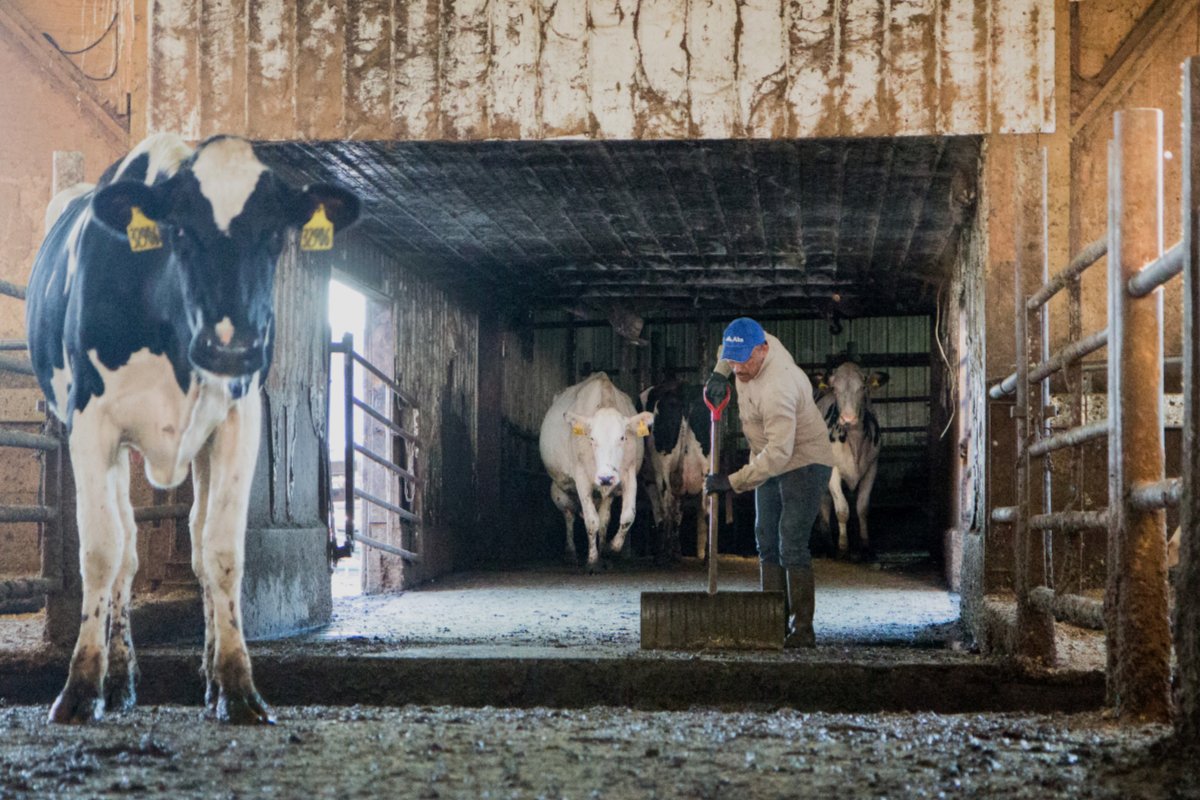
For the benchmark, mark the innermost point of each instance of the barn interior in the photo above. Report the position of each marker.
(552, 190)
(629, 257)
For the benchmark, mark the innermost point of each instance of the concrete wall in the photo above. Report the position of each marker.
(55, 113)
(609, 69)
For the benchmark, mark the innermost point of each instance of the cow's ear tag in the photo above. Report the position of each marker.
(317, 233)
(577, 429)
(142, 231)
(642, 429)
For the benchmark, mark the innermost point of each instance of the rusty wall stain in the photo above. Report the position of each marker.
(607, 69)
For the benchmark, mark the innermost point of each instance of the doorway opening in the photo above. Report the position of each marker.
(347, 311)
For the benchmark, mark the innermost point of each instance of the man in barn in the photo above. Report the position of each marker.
(790, 462)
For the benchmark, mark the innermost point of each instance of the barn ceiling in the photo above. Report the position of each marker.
(869, 226)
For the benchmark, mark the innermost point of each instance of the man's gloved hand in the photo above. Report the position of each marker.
(715, 484)
(716, 389)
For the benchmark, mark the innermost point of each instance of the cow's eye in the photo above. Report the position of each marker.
(275, 240)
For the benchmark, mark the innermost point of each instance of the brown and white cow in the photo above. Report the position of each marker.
(855, 436)
(591, 444)
(676, 462)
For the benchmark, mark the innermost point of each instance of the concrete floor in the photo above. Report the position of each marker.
(898, 601)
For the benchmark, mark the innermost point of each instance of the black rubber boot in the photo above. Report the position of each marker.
(801, 602)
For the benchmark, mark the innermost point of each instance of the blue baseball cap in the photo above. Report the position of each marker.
(740, 338)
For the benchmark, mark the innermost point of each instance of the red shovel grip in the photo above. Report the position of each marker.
(716, 410)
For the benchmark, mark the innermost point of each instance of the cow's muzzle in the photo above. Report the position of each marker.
(607, 480)
(238, 358)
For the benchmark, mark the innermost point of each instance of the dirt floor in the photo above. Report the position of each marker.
(441, 752)
(896, 611)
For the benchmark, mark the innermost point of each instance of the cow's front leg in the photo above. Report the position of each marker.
(842, 509)
(566, 504)
(101, 549)
(591, 520)
(233, 451)
(120, 683)
(629, 508)
(198, 519)
(861, 501)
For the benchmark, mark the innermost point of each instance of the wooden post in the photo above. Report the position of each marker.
(1187, 586)
(1035, 628)
(1136, 596)
(60, 538)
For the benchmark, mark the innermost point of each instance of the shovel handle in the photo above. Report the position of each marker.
(714, 499)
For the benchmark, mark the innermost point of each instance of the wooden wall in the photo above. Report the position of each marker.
(611, 69)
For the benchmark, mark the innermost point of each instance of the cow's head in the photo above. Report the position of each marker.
(851, 386)
(222, 220)
(611, 437)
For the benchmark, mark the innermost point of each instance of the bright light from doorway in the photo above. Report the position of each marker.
(347, 314)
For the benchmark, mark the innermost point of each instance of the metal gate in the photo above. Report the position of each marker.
(402, 465)
(1134, 612)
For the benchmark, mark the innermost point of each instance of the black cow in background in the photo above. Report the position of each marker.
(675, 463)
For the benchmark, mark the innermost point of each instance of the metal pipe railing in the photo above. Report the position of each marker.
(20, 366)
(1157, 494)
(26, 514)
(1070, 521)
(12, 290)
(1070, 354)
(28, 441)
(1089, 255)
(1070, 438)
(1157, 272)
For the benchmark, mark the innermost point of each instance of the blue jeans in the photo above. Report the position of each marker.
(785, 508)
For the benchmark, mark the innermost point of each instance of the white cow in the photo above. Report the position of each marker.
(676, 462)
(591, 443)
(854, 434)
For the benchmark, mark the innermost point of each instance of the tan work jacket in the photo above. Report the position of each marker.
(779, 419)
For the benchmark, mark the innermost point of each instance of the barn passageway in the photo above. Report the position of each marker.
(894, 602)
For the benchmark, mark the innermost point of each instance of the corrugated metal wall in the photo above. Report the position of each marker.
(900, 346)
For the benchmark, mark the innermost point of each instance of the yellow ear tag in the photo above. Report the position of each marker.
(577, 429)
(642, 430)
(142, 231)
(317, 233)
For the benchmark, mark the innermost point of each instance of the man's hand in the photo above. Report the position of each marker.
(716, 389)
(716, 484)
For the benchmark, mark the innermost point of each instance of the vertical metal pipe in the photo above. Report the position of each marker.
(1187, 588)
(1035, 627)
(1143, 651)
(348, 410)
(1039, 416)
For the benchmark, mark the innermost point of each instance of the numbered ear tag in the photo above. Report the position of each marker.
(142, 231)
(577, 429)
(317, 233)
(642, 429)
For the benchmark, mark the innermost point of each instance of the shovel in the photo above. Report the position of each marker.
(711, 620)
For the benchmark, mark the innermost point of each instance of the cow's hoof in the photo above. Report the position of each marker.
(243, 708)
(77, 706)
(120, 692)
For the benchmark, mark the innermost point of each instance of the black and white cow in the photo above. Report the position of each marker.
(855, 436)
(150, 317)
(676, 462)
